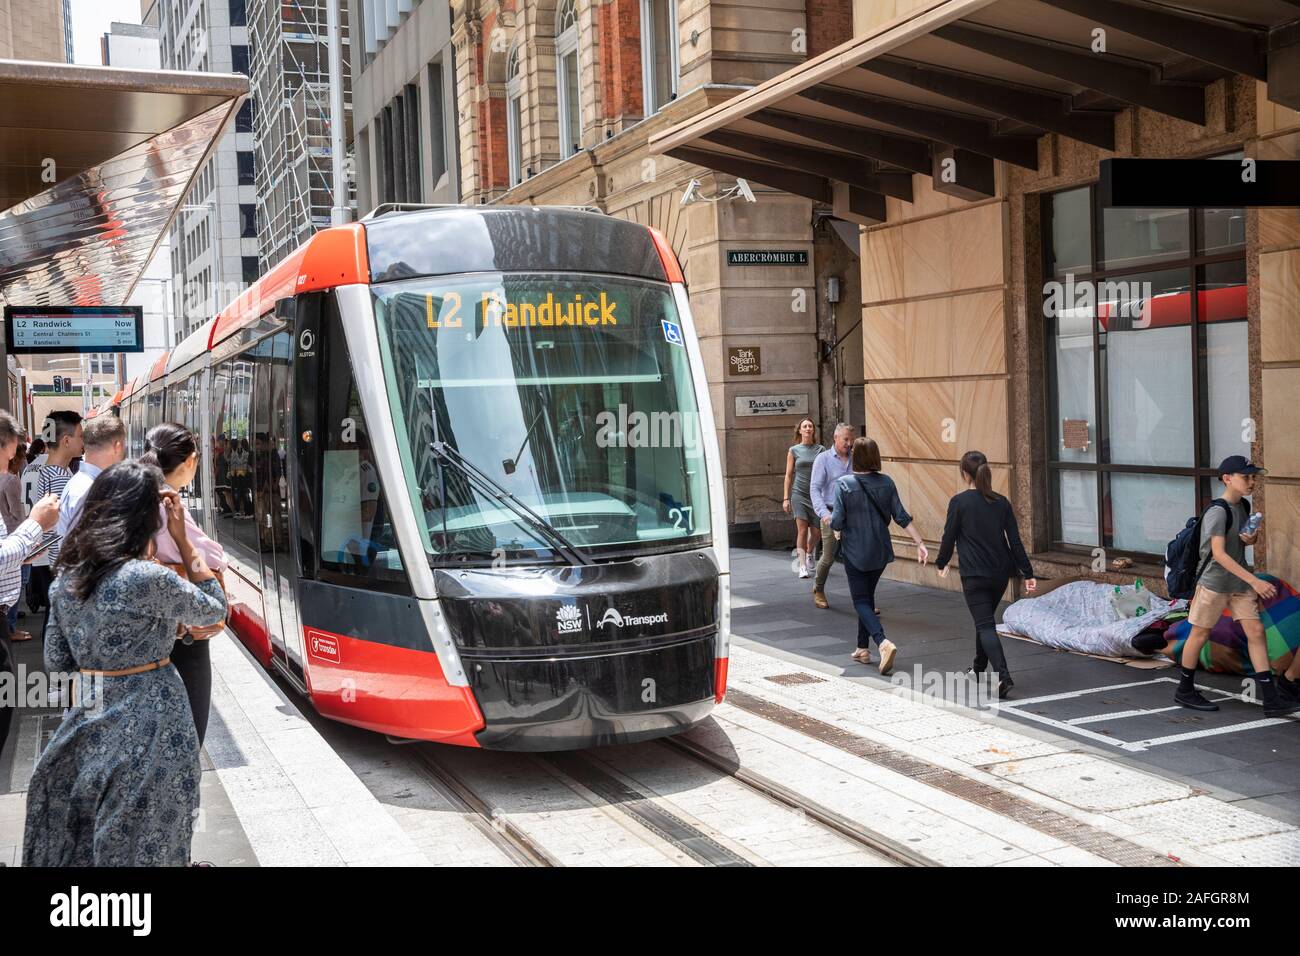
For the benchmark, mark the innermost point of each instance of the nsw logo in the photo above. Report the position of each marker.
(568, 619)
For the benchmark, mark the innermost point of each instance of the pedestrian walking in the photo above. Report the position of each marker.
(981, 525)
(1227, 581)
(104, 437)
(14, 513)
(829, 466)
(15, 546)
(865, 502)
(65, 444)
(118, 783)
(798, 497)
(174, 449)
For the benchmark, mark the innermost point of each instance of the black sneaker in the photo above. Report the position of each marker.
(1194, 699)
(1004, 687)
(1289, 689)
(1281, 708)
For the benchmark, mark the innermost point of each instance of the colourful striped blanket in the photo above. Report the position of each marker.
(1226, 649)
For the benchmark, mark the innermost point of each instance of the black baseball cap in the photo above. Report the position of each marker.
(1238, 465)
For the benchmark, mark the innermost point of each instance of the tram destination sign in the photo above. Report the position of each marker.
(767, 257)
(49, 329)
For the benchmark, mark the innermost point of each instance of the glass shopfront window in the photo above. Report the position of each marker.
(1148, 379)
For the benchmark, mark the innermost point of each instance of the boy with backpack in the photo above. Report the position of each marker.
(1226, 581)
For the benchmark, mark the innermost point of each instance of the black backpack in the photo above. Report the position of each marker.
(1183, 567)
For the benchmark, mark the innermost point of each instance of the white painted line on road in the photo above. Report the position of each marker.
(1087, 690)
(1070, 728)
(1118, 715)
(1215, 731)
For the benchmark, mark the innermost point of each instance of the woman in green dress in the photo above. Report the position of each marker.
(798, 498)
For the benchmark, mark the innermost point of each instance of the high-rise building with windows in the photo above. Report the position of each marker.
(288, 55)
(404, 103)
(214, 242)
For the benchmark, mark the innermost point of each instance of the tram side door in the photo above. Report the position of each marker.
(271, 420)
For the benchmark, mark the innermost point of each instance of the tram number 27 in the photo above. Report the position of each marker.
(678, 515)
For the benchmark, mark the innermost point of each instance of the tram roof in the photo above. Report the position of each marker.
(450, 240)
(125, 144)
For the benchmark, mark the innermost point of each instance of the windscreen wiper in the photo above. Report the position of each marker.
(570, 551)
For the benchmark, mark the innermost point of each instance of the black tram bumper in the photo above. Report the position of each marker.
(569, 703)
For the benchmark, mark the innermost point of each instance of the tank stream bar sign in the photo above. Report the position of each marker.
(49, 329)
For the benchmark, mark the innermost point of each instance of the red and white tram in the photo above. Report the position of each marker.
(464, 464)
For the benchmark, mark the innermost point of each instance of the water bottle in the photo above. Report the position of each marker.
(1255, 520)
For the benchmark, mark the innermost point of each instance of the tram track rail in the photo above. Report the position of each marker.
(864, 837)
(517, 845)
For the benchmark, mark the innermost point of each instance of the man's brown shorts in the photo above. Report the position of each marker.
(1207, 606)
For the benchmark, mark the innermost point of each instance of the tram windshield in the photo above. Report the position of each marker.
(572, 393)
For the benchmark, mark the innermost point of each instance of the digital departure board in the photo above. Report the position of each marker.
(46, 329)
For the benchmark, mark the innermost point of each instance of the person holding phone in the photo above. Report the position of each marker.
(981, 525)
(118, 783)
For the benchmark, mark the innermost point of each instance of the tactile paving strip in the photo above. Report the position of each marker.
(1105, 845)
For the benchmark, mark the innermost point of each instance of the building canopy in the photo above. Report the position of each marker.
(94, 162)
(957, 84)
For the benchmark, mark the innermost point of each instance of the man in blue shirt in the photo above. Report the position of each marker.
(104, 437)
(830, 465)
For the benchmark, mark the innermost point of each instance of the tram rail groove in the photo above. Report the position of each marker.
(514, 842)
(869, 839)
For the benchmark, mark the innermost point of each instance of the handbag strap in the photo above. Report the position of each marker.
(874, 503)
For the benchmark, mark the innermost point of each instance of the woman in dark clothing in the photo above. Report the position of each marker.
(865, 501)
(174, 450)
(982, 525)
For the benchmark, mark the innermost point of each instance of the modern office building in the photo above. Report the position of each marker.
(403, 103)
(289, 60)
(214, 241)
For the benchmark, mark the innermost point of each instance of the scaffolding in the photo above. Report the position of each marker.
(291, 128)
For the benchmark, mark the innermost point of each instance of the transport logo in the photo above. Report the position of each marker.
(324, 647)
(568, 619)
(612, 616)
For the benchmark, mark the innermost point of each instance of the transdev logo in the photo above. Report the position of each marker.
(568, 619)
(612, 616)
(324, 646)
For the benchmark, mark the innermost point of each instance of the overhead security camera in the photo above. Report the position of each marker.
(692, 192)
(743, 186)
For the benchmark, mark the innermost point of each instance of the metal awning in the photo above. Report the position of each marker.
(94, 162)
(957, 84)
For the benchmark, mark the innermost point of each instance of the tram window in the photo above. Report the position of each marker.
(573, 393)
(224, 454)
(356, 535)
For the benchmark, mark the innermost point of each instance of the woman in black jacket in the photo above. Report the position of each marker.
(982, 525)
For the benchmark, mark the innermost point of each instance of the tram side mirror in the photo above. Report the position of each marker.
(508, 465)
(286, 310)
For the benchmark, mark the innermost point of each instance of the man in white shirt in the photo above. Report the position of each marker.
(104, 437)
(14, 548)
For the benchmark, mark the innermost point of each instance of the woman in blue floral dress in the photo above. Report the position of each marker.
(118, 783)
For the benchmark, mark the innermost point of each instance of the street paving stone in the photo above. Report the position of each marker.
(933, 630)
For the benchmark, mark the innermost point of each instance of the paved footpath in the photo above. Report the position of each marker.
(1100, 707)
